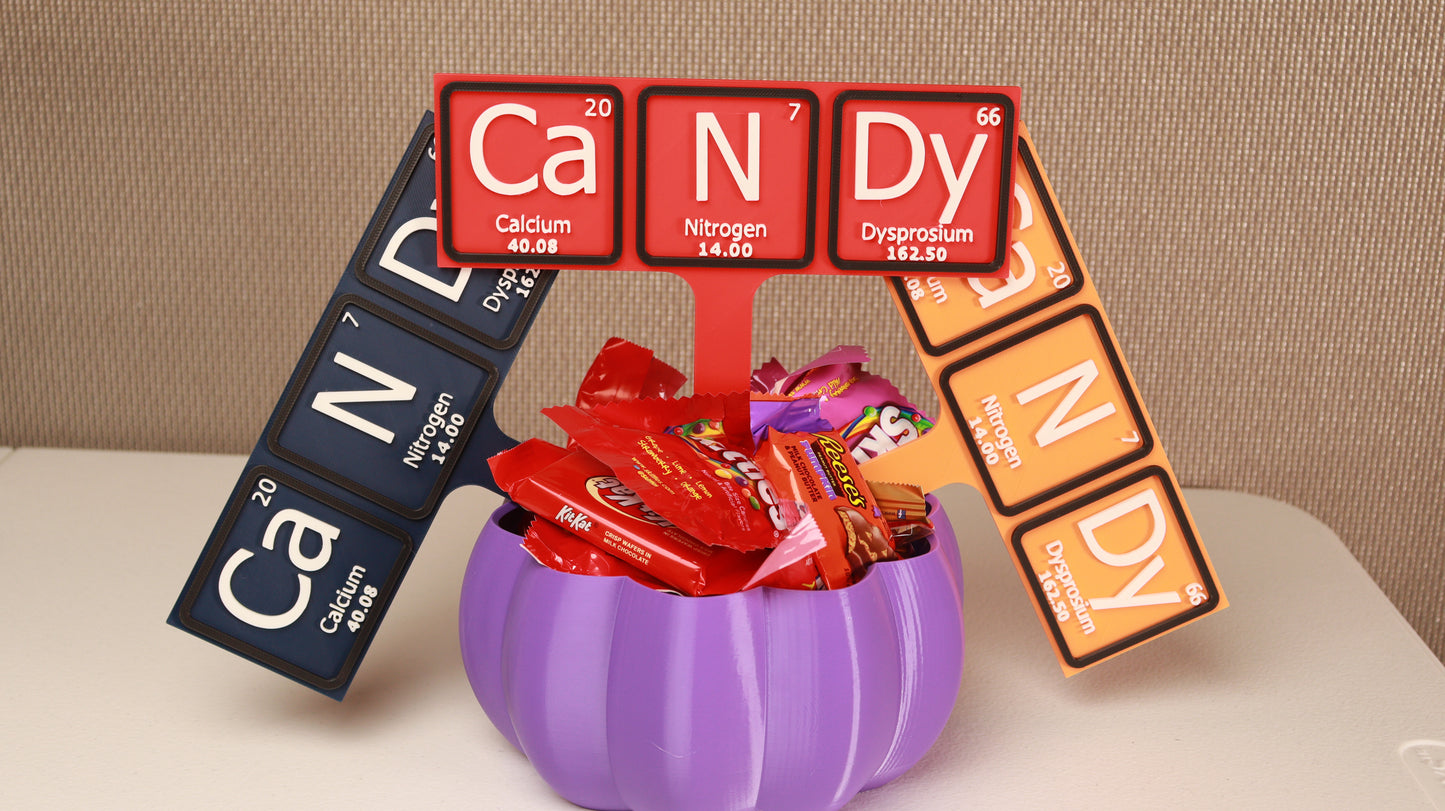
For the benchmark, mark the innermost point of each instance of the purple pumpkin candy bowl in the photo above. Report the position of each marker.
(623, 697)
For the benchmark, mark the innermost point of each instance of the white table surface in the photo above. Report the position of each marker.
(1299, 695)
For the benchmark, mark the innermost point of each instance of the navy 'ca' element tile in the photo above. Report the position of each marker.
(295, 579)
(399, 258)
(382, 408)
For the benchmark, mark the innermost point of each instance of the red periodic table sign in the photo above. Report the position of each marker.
(796, 177)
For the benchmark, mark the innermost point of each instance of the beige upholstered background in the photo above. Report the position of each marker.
(1256, 189)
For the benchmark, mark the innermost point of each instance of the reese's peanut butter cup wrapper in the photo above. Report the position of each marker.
(697, 470)
(817, 470)
(865, 542)
(900, 504)
(577, 492)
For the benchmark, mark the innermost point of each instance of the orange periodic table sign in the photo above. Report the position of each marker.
(1040, 413)
(805, 177)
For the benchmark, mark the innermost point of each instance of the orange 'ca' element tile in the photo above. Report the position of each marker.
(948, 312)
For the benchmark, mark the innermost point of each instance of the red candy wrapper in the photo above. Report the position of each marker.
(813, 377)
(623, 370)
(718, 493)
(690, 460)
(556, 548)
(573, 490)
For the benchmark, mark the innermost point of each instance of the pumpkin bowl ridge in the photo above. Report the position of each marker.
(628, 698)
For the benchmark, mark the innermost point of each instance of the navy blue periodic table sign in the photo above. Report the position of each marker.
(388, 410)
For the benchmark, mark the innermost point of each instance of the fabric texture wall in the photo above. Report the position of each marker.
(1255, 189)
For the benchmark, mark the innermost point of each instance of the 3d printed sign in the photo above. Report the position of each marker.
(1040, 414)
(808, 178)
(726, 184)
(388, 410)
(753, 179)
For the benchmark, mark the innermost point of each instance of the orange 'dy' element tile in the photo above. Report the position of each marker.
(1115, 566)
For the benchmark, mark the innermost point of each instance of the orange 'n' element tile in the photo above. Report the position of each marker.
(1046, 411)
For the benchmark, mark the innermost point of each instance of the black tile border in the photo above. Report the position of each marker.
(1056, 222)
(1196, 552)
(212, 553)
(444, 181)
(801, 94)
(1008, 124)
(313, 357)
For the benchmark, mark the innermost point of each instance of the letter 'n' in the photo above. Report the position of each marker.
(395, 390)
(1055, 427)
(747, 182)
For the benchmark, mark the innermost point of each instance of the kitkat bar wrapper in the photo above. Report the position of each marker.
(869, 412)
(623, 370)
(556, 548)
(573, 490)
(689, 459)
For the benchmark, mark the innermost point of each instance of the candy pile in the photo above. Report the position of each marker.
(713, 494)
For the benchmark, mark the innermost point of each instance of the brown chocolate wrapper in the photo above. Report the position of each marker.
(906, 512)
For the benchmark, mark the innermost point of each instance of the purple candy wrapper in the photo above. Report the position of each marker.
(868, 410)
(787, 416)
